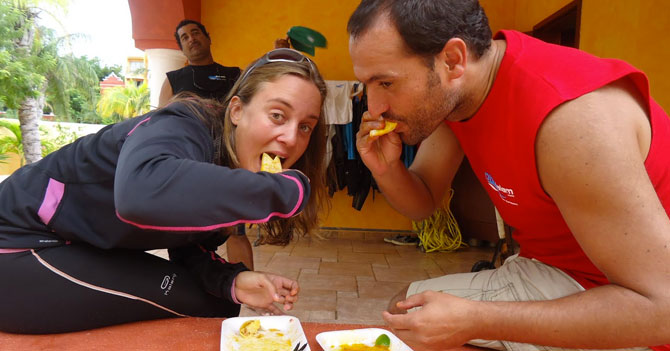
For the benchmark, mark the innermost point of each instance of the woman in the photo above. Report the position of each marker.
(74, 227)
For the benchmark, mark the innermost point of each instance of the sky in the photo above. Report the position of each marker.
(111, 44)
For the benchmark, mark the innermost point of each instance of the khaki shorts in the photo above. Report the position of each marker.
(518, 279)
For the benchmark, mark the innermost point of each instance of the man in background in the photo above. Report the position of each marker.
(202, 76)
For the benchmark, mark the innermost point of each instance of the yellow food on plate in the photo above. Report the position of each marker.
(362, 347)
(269, 164)
(250, 327)
(253, 337)
(389, 126)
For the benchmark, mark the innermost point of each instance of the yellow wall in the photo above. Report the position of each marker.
(634, 31)
(241, 31)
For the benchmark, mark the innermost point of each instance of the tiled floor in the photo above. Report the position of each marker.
(350, 277)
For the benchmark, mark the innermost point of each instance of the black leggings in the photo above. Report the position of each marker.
(78, 287)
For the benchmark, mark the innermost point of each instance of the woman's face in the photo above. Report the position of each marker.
(278, 120)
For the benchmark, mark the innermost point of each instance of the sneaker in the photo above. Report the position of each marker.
(405, 240)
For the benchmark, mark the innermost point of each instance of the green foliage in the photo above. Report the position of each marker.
(11, 143)
(27, 71)
(119, 103)
(63, 137)
(18, 78)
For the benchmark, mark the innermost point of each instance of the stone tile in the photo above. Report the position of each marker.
(373, 247)
(331, 243)
(347, 295)
(361, 257)
(423, 262)
(322, 316)
(379, 290)
(322, 300)
(350, 235)
(345, 268)
(399, 274)
(365, 279)
(332, 282)
(274, 248)
(262, 258)
(293, 263)
(377, 236)
(361, 310)
(319, 252)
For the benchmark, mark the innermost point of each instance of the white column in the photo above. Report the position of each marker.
(161, 61)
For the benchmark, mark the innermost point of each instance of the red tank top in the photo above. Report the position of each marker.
(499, 141)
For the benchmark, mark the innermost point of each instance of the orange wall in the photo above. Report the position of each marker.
(634, 31)
(242, 31)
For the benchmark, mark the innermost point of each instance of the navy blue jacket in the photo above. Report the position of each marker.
(145, 183)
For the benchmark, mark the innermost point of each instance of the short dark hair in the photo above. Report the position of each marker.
(185, 22)
(426, 25)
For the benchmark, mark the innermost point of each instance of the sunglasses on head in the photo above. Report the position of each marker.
(278, 55)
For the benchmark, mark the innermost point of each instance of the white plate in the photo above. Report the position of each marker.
(331, 340)
(288, 325)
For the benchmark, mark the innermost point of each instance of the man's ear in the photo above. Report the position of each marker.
(235, 107)
(454, 56)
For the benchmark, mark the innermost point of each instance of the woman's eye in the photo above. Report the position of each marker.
(306, 128)
(385, 84)
(276, 116)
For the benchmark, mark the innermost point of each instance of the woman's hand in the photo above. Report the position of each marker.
(261, 290)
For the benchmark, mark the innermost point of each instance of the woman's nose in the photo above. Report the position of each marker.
(289, 134)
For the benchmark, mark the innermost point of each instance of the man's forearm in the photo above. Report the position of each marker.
(406, 192)
(605, 317)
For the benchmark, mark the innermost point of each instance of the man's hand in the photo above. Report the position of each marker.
(261, 290)
(442, 321)
(378, 153)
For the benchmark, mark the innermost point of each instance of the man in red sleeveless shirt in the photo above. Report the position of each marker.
(572, 150)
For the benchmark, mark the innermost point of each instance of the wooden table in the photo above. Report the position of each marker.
(167, 334)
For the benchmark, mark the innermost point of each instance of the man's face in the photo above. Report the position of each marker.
(401, 87)
(194, 43)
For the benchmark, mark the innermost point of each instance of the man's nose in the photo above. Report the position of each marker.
(376, 103)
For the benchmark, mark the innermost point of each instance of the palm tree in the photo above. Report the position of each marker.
(119, 103)
(38, 47)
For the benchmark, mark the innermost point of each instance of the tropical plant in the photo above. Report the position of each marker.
(119, 103)
(11, 143)
(34, 68)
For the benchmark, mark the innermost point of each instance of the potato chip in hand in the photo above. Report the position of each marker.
(269, 164)
(388, 127)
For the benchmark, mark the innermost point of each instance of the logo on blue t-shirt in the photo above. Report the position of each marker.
(505, 194)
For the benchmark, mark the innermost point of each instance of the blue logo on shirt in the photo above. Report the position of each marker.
(505, 194)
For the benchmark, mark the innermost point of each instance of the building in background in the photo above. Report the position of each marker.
(112, 80)
(136, 70)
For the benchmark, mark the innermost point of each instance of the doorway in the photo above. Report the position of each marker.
(562, 27)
